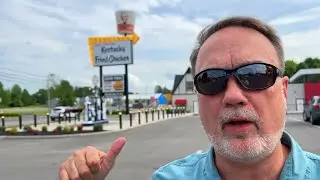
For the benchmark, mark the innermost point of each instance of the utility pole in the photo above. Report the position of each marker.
(50, 81)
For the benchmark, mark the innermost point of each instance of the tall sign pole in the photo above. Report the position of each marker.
(114, 51)
(125, 25)
(100, 91)
(95, 81)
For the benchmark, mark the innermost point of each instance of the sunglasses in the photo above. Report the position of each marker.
(254, 77)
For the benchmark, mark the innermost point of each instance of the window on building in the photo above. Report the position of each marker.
(189, 86)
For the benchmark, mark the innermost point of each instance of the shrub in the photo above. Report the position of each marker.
(28, 129)
(72, 127)
(35, 131)
(66, 130)
(44, 128)
(98, 127)
(25, 128)
(79, 127)
(13, 131)
(57, 129)
(2, 129)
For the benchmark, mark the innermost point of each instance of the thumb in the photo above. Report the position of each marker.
(109, 158)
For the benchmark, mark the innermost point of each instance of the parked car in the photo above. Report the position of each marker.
(60, 111)
(312, 111)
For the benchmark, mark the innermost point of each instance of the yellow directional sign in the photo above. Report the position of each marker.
(94, 40)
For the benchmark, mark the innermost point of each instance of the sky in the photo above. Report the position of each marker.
(39, 37)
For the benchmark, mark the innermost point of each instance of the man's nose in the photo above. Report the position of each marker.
(233, 94)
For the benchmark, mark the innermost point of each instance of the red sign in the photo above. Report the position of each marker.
(125, 28)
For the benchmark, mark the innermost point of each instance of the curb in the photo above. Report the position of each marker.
(90, 134)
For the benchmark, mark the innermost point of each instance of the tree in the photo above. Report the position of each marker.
(165, 90)
(5, 96)
(312, 62)
(26, 98)
(82, 91)
(302, 65)
(65, 93)
(40, 97)
(16, 96)
(158, 89)
(291, 68)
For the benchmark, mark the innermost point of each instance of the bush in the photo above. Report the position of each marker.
(35, 131)
(2, 129)
(57, 129)
(13, 131)
(79, 127)
(72, 127)
(117, 112)
(66, 130)
(98, 127)
(44, 128)
(28, 129)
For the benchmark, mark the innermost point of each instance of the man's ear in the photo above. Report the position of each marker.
(285, 82)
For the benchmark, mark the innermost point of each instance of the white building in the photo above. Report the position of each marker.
(183, 93)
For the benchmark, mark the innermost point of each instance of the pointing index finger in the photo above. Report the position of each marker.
(109, 158)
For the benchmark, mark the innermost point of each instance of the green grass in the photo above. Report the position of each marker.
(25, 110)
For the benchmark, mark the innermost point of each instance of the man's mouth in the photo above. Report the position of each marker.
(241, 122)
(237, 125)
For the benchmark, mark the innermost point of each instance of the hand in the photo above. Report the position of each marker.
(91, 163)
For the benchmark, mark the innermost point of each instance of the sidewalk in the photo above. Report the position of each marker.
(113, 125)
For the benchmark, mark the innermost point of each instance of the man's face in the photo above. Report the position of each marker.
(230, 48)
(124, 17)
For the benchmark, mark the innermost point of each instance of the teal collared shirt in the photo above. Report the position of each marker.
(300, 165)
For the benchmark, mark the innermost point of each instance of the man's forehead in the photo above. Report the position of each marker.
(233, 47)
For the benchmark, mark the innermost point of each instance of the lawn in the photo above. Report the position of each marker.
(24, 110)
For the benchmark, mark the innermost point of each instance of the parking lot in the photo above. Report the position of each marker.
(148, 147)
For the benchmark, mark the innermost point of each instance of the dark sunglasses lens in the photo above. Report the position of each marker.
(256, 76)
(211, 81)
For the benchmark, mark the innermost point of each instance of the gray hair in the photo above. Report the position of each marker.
(241, 21)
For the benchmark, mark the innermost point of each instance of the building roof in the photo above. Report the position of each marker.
(304, 72)
(176, 82)
(178, 79)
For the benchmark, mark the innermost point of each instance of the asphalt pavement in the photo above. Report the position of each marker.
(148, 148)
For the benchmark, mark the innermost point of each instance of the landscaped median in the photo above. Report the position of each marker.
(121, 122)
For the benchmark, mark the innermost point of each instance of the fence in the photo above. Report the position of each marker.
(137, 116)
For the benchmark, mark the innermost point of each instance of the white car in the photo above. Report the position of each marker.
(60, 110)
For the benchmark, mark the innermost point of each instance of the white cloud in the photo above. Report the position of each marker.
(299, 45)
(307, 15)
(42, 38)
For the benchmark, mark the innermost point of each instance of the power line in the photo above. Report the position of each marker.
(21, 72)
(17, 80)
(11, 76)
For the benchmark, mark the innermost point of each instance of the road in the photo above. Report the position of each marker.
(42, 119)
(148, 148)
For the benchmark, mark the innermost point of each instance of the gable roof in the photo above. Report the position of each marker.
(178, 79)
(176, 82)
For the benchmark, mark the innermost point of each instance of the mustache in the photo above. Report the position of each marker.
(239, 113)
